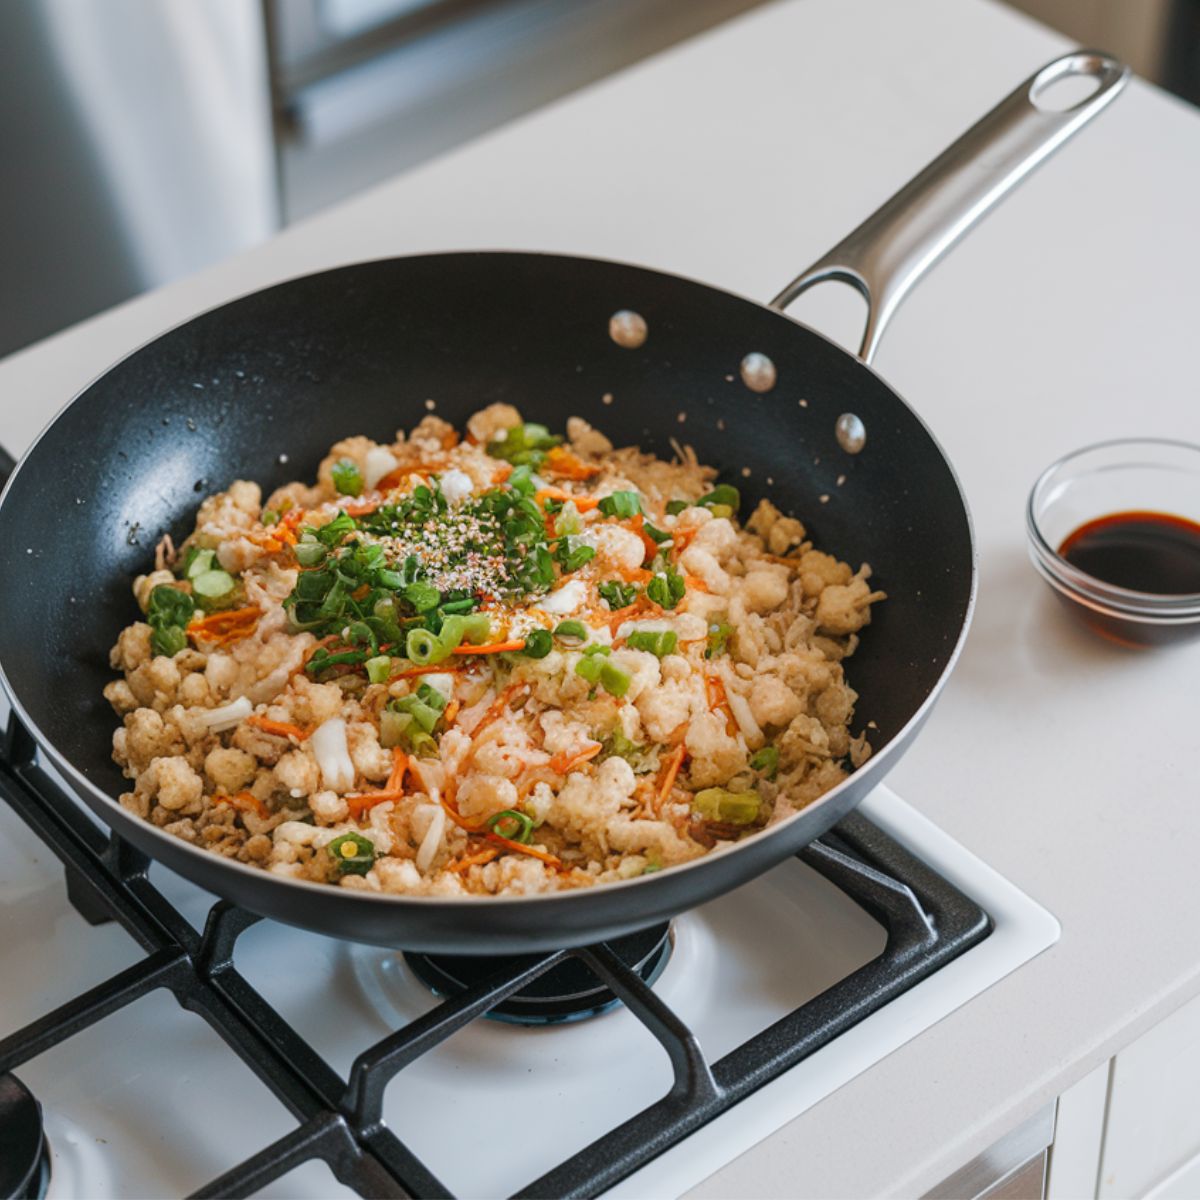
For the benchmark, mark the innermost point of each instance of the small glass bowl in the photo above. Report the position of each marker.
(1131, 475)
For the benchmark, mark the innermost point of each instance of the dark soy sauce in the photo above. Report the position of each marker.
(1146, 552)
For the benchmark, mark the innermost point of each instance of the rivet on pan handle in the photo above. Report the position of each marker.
(886, 255)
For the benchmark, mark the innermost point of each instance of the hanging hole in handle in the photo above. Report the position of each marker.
(1069, 83)
(840, 313)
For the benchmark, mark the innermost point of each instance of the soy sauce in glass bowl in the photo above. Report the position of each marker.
(1113, 529)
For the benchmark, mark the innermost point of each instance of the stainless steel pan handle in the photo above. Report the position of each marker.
(886, 255)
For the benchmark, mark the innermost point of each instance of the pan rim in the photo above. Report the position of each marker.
(896, 746)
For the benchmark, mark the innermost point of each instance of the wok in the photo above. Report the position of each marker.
(366, 348)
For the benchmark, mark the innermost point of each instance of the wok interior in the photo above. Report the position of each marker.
(365, 349)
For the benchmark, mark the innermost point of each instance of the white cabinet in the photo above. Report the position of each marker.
(1132, 1127)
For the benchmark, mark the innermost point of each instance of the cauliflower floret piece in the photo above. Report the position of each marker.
(173, 783)
(772, 702)
(432, 435)
(238, 554)
(230, 769)
(643, 668)
(352, 449)
(297, 772)
(780, 533)
(481, 796)
(508, 753)
(804, 736)
(328, 807)
(585, 440)
(818, 571)
(156, 683)
(715, 756)
(765, 587)
(397, 875)
(616, 547)
(194, 691)
(370, 759)
(563, 736)
(702, 563)
(718, 537)
(313, 703)
(119, 695)
(615, 780)
(835, 705)
(846, 609)
(657, 839)
(221, 671)
(664, 709)
(148, 736)
(132, 648)
(490, 423)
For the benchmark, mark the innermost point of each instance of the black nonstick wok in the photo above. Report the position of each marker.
(368, 348)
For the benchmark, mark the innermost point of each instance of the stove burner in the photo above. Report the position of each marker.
(568, 992)
(24, 1152)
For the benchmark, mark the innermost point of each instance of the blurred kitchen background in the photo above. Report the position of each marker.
(145, 139)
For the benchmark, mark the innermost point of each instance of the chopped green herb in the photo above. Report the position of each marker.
(719, 633)
(675, 507)
(724, 495)
(269, 517)
(168, 640)
(538, 643)
(621, 504)
(422, 596)
(655, 535)
(666, 588)
(524, 445)
(618, 595)
(309, 551)
(352, 854)
(347, 478)
(169, 606)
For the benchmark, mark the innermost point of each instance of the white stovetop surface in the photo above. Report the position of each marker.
(1067, 317)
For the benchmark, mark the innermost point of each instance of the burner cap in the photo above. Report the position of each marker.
(568, 992)
(24, 1154)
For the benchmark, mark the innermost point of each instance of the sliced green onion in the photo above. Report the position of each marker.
(568, 521)
(198, 561)
(352, 853)
(378, 668)
(719, 634)
(675, 507)
(651, 868)
(521, 480)
(765, 761)
(666, 589)
(459, 607)
(612, 679)
(730, 808)
(538, 643)
(403, 729)
(577, 557)
(597, 648)
(659, 642)
(513, 825)
(618, 595)
(422, 596)
(309, 552)
(724, 495)
(589, 668)
(213, 584)
(425, 715)
(347, 478)
(469, 627)
(572, 633)
(168, 640)
(429, 695)
(269, 517)
(423, 647)
(654, 534)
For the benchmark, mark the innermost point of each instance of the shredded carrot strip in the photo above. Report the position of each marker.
(638, 524)
(224, 627)
(361, 508)
(582, 503)
(683, 539)
(451, 712)
(500, 474)
(395, 478)
(245, 800)
(714, 689)
(492, 648)
(783, 560)
(471, 860)
(636, 575)
(521, 848)
(395, 782)
(449, 439)
(497, 708)
(641, 605)
(363, 802)
(670, 773)
(278, 728)
(561, 461)
(694, 584)
(563, 762)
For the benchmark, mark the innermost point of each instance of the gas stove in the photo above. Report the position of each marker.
(155, 1042)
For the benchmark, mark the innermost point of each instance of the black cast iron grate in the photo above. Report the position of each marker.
(928, 923)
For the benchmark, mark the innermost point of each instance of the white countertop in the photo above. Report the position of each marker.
(1068, 316)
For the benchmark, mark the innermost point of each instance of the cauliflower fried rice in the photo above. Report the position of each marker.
(497, 665)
